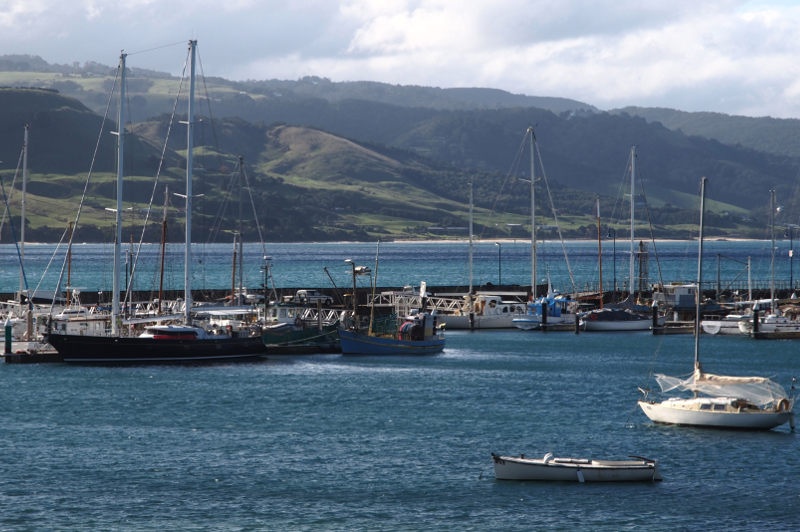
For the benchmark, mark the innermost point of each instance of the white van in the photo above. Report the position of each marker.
(311, 297)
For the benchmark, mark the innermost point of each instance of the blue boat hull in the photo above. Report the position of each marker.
(355, 343)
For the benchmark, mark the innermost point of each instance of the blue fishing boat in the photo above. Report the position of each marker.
(415, 335)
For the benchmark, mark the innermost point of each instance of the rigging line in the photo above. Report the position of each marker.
(555, 218)
(19, 253)
(650, 227)
(159, 170)
(253, 206)
(214, 134)
(155, 48)
(50, 262)
(6, 211)
(88, 180)
(216, 227)
(514, 165)
(623, 185)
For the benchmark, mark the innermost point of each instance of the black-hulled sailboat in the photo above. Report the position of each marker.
(183, 342)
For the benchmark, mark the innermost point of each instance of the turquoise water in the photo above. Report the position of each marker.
(297, 265)
(347, 443)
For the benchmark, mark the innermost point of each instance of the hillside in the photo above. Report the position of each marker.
(359, 160)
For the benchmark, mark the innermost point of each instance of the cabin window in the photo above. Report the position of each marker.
(705, 407)
(719, 407)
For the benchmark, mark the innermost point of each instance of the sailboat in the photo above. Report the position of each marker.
(553, 309)
(773, 325)
(182, 342)
(624, 316)
(720, 401)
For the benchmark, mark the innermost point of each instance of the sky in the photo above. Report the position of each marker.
(727, 56)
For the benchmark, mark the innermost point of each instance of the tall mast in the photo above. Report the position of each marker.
(115, 311)
(699, 277)
(163, 248)
(533, 212)
(187, 268)
(631, 288)
(773, 310)
(470, 241)
(600, 252)
(22, 212)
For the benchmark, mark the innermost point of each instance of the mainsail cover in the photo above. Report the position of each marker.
(757, 390)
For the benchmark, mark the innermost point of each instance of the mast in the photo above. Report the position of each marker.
(234, 300)
(600, 252)
(533, 212)
(698, 293)
(22, 212)
(163, 249)
(187, 267)
(470, 238)
(631, 289)
(772, 308)
(115, 304)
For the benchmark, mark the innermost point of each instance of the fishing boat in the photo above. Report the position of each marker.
(415, 334)
(719, 401)
(549, 467)
(183, 341)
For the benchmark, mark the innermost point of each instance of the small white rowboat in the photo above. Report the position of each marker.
(575, 469)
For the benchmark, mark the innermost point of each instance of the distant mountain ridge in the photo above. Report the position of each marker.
(358, 159)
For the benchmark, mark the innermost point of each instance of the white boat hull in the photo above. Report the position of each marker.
(492, 321)
(725, 327)
(531, 322)
(688, 412)
(574, 469)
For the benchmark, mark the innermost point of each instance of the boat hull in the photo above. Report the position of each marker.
(575, 469)
(628, 325)
(493, 321)
(680, 412)
(356, 343)
(138, 350)
(292, 341)
(616, 320)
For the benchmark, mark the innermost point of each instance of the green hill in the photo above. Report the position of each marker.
(360, 160)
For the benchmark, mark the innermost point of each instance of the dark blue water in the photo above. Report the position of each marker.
(345, 443)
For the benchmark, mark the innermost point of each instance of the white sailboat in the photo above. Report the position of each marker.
(774, 325)
(552, 309)
(720, 401)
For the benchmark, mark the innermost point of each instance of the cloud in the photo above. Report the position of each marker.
(729, 56)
